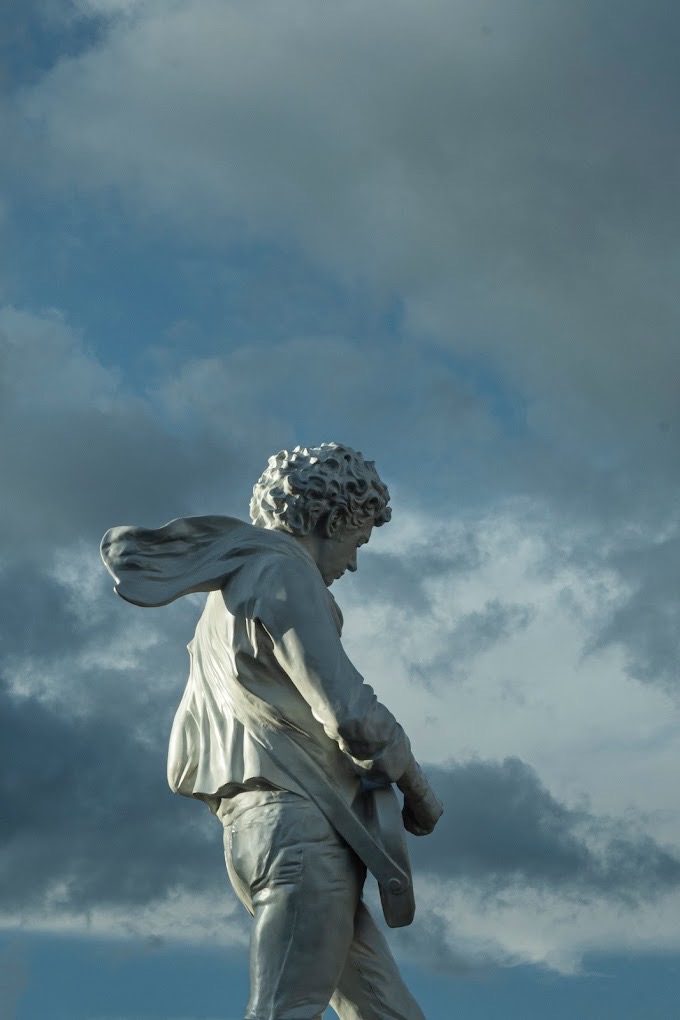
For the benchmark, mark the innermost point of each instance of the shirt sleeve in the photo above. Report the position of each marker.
(296, 614)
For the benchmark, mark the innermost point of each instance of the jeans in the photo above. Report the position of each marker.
(313, 941)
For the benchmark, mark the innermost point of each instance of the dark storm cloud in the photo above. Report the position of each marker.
(469, 635)
(83, 452)
(425, 944)
(402, 578)
(36, 34)
(74, 645)
(89, 685)
(502, 827)
(473, 633)
(646, 623)
(35, 615)
(481, 628)
(80, 453)
(88, 819)
(360, 392)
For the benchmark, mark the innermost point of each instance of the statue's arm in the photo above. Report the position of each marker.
(295, 612)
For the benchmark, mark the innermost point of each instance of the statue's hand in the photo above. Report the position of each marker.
(421, 814)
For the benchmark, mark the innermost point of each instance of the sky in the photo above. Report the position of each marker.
(446, 234)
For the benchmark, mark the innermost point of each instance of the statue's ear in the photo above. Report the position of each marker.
(333, 523)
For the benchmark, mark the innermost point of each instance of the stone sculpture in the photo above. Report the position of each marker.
(278, 733)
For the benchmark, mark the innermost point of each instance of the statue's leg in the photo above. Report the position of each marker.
(304, 884)
(371, 987)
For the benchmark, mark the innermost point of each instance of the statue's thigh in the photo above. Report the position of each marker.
(305, 885)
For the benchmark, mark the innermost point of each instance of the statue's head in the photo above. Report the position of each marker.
(322, 492)
(298, 490)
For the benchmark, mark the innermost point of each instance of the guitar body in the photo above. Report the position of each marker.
(382, 816)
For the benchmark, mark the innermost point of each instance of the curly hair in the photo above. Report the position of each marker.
(299, 489)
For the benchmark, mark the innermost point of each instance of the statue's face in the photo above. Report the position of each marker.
(337, 551)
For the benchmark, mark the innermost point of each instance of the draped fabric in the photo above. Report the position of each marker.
(152, 567)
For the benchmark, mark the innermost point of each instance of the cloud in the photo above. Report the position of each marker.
(87, 449)
(92, 831)
(89, 821)
(319, 388)
(646, 623)
(505, 182)
(502, 826)
(508, 173)
(92, 837)
(473, 633)
(495, 617)
(520, 255)
(82, 450)
(436, 945)
(490, 655)
(555, 770)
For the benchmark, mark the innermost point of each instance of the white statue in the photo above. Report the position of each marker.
(278, 733)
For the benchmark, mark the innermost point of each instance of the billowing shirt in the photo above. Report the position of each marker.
(274, 628)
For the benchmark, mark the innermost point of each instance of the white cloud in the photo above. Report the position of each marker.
(599, 741)
(180, 916)
(523, 927)
(529, 690)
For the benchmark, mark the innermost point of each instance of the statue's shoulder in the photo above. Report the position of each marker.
(272, 573)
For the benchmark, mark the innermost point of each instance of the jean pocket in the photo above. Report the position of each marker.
(283, 870)
(260, 860)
